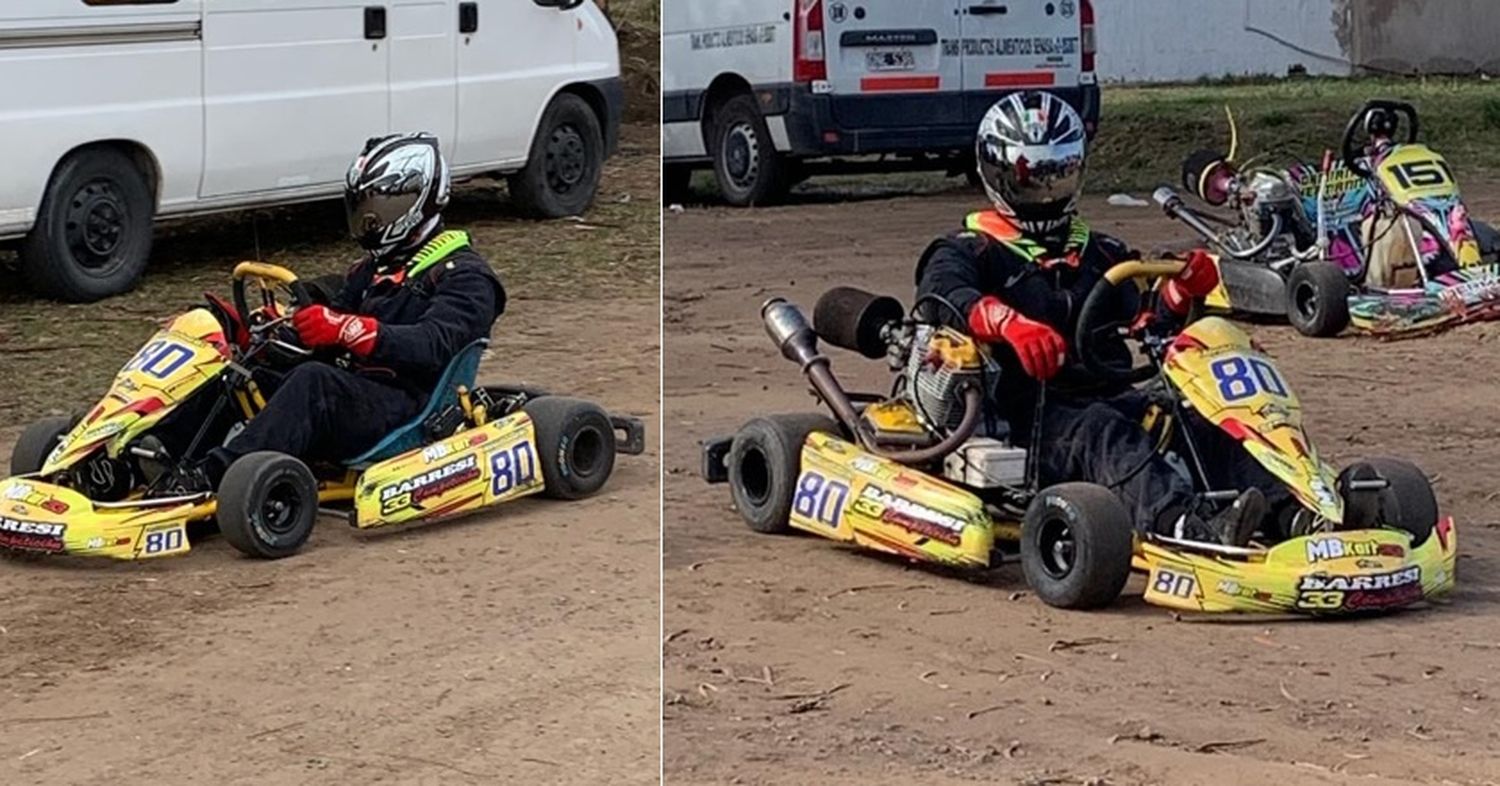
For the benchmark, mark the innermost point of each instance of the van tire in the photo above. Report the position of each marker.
(746, 164)
(92, 235)
(562, 174)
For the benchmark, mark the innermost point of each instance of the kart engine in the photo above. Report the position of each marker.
(939, 364)
(1271, 222)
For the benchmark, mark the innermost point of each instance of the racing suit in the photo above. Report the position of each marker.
(1090, 430)
(425, 306)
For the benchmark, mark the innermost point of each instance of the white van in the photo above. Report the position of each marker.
(116, 112)
(756, 89)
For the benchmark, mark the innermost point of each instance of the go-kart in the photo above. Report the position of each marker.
(910, 474)
(109, 483)
(1378, 236)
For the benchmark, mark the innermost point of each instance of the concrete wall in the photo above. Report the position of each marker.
(1176, 40)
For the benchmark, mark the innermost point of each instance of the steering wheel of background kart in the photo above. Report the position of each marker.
(265, 319)
(1096, 325)
(1353, 150)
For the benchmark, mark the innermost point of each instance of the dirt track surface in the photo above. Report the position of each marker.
(518, 645)
(884, 673)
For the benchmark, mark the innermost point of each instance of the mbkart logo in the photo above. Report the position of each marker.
(410, 493)
(1322, 549)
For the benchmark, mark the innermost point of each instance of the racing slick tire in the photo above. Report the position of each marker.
(1488, 240)
(36, 443)
(1076, 546)
(764, 462)
(746, 165)
(575, 443)
(562, 173)
(92, 235)
(1408, 503)
(268, 503)
(1317, 299)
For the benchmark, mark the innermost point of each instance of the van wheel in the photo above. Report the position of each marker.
(567, 157)
(1318, 299)
(746, 164)
(93, 232)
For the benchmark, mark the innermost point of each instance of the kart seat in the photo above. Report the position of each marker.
(411, 435)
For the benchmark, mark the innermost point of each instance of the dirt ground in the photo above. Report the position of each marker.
(514, 646)
(795, 660)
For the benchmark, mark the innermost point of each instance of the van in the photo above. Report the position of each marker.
(115, 113)
(767, 92)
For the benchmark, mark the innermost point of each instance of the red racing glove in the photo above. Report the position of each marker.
(320, 326)
(1040, 348)
(1198, 278)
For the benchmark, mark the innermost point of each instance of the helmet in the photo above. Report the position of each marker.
(395, 192)
(1031, 153)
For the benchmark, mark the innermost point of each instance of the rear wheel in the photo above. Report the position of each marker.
(765, 460)
(36, 443)
(1076, 546)
(93, 231)
(575, 444)
(746, 164)
(567, 158)
(1409, 502)
(1318, 299)
(268, 504)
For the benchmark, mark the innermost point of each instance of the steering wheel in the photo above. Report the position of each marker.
(269, 279)
(1353, 149)
(1096, 323)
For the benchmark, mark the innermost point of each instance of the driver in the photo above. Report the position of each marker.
(418, 296)
(1019, 275)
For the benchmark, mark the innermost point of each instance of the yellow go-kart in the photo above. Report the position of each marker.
(910, 474)
(105, 484)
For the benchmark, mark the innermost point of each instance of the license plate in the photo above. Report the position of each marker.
(890, 60)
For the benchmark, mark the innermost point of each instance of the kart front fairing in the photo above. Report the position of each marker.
(45, 518)
(188, 353)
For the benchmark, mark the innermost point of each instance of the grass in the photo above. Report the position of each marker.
(638, 28)
(1145, 132)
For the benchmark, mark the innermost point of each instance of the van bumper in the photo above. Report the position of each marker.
(613, 90)
(813, 130)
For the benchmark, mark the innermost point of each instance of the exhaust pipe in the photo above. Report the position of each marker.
(791, 333)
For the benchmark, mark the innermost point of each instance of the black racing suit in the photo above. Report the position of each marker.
(326, 412)
(1090, 430)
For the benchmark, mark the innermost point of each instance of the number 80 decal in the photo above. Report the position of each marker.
(511, 469)
(1240, 378)
(820, 499)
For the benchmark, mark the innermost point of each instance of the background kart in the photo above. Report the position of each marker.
(109, 483)
(1300, 241)
(911, 475)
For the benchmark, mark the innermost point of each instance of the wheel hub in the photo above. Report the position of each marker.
(1058, 548)
(94, 224)
(280, 508)
(742, 155)
(567, 159)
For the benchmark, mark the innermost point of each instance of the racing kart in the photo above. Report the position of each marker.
(913, 473)
(1378, 236)
(109, 483)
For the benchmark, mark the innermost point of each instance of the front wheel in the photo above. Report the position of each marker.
(36, 443)
(575, 443)
(1076, 542)
(1408, 503)
(562, 174)
(1318, 299)
(268, 503)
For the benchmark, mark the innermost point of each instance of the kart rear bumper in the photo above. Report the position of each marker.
(38, 517)
(1352, 572)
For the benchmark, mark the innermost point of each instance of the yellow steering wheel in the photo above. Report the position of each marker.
(1099, 320)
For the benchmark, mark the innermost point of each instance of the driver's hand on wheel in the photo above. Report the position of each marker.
(320, 326)
(1040, 348)
(1198, 278)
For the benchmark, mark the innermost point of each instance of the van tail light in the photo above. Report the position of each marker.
(1089, 44)
(810, 62)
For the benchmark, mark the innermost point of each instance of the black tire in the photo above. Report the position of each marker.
(268, 503)
(92, 235)
(1409, 502)
(1076, 546)
(764, 462)
(746, 164)
(1317, 299)
(676, 183)
(1488, 240)
(562, 174)
(36, 443)
(575, 444)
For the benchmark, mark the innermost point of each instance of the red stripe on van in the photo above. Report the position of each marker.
(884, 84)
(1021, 79)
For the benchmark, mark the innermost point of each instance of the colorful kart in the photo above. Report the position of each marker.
(912, 474)
(1379, 237)
(108, 483)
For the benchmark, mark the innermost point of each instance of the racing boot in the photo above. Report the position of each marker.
(1233, 526)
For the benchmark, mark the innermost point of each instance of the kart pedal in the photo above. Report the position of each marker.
(635, 434)
(716, 459)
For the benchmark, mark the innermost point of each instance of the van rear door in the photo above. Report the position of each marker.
(1016, 45)
(890, 48)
